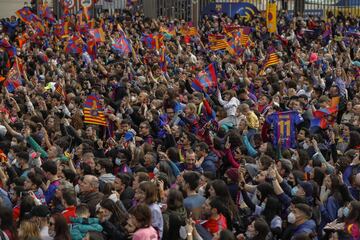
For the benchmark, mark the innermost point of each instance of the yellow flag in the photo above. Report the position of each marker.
(271, 16)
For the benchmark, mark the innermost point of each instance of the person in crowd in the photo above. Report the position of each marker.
(58, 227)
(125, 126)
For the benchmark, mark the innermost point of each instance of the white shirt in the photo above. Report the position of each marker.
(44, 233)
(230, 106)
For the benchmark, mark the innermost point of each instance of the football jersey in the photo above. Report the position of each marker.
(284, 125)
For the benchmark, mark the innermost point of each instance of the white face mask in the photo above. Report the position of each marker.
(291, 218)
(51, 233)
(250, 234)
(156, 171)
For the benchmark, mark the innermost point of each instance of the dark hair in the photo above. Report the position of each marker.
(319, 175)
(125, 179)
(69, 196)
(191, 178)
(69, 174)
(266, 161)
(266, 190)
(227, 235)
(174, 199)
(164, 167)
(272, 208)
(222, 192)
(203, 147)
(221, 207)
(354, 140)
(107, 164)
(262, 228)
(119, 217)
(7, 222)
(26, 204)
(143, 176)
(354, 215)
(23, 156)
(50, 166)
(173, 154)
(142, 214)
(35, 179)
(126, 153)
(150, 190)
(62, 231)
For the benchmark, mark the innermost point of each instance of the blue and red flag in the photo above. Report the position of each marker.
(45, 12)
(91, 48)
(98, 34)
(74, 45)
(13, 79)
(206, 79)
(11, 50)
(324, 117)
(27, 16)
(153, 41)
(121, 46)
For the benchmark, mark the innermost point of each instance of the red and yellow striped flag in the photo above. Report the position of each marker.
(93, 111)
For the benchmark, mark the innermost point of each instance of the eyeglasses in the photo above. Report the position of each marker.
(51, 223)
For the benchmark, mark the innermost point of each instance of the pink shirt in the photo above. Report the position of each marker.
(145, 234)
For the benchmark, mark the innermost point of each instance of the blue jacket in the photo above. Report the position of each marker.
(329, 210)
(81, 226)
(307, 227)
(209, 163)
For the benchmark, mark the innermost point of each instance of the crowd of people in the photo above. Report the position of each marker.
(267, 153)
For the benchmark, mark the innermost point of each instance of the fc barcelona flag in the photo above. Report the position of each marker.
(27, 16)
(11, 50)
(324, 117)
(98, 34)
(153, 41)
(271, 16)
(13, 80)
(121, 46)
(206, 79)
(93, 111)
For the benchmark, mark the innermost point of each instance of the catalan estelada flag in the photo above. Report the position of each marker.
(188, 31)
(93, 111)
(271, 16)
(153, 41)
(245, 36)
(60, 90)
(98, 34)
(272, 58)
(218, 42)
(206, 79)
(13, 79)
(230, 29)
(27, 16)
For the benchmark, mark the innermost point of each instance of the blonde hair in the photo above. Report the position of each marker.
(28, 230)
(192, 107)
